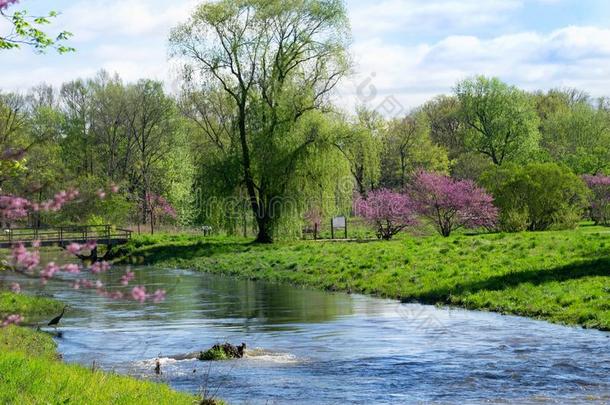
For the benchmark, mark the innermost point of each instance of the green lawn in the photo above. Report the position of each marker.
(560, 276)
(31, 372)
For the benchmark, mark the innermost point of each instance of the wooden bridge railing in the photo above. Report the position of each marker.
(103, 234)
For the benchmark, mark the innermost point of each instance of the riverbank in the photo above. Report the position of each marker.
(559, 276)
(31, 370)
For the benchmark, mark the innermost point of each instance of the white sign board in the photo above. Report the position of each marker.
(339, 222)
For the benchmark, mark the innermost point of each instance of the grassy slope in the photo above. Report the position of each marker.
(30, 372)
(561, 276)
(30, 308)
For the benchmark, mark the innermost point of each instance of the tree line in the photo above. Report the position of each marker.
(255, 142)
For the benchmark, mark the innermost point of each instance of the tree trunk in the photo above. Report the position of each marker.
(260, 212)
(264, 231)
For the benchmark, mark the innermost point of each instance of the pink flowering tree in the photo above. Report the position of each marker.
(452, 204)
(26, 259)
(389, 212)
(157, 209)
(600, 198)
(313, 221)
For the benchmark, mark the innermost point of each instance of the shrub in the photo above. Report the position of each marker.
(388, 211)
(452, 204)
(536, 197)
(599, 209)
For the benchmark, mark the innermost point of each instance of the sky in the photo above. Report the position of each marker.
(405, 52)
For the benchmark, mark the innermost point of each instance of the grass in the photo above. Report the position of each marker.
(31, 372)
(559, 276)
(31, 308)
(214, 354)
(38, 380)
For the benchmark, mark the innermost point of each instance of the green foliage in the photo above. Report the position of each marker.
(537, 197)
(578, 136)
(92, 210)
(361, 144)
(500, 120)
(446, 125)
(273, 88)
(408, 147)
(27, 30)
(214, 354)
(561, 276)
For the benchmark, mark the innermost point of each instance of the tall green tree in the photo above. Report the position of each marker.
(408, 148)
(578, 135)
(361, 144)
(446, 127)
(501, 120)
(277, 61)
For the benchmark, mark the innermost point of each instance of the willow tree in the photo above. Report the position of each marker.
(278, 62)
(360, 143)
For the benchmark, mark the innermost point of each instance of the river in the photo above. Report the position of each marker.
(315, 347)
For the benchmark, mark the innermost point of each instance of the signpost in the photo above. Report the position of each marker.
(338, 223)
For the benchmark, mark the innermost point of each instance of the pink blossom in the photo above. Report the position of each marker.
(25, 259)
(160, 206)
(57, 202)
(159, 296)
(100, 267)
(12, 208)
(451, 204)
(74, 248)
(101, 194)
(12, 320)
(388, 211)
(114, 188)
(116, 295)
(16, 288)
(71, 268)
(48, 272)
(90, 245)
(139, 294)
(127, 278)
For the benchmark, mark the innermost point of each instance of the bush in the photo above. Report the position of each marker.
(537, 197)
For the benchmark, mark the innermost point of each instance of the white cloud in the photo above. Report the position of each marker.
(91, 20)
(130, 38)
(568, 57)
(416, 15)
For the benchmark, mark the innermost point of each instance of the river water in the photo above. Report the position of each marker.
(315, 347)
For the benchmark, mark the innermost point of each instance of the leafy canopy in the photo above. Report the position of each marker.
(500, 120)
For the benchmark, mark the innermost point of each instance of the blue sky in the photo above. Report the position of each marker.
(408, 50)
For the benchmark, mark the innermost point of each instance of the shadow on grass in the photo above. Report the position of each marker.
(179, 251)
(591, 268)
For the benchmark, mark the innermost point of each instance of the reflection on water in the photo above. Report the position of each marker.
(319, 348)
